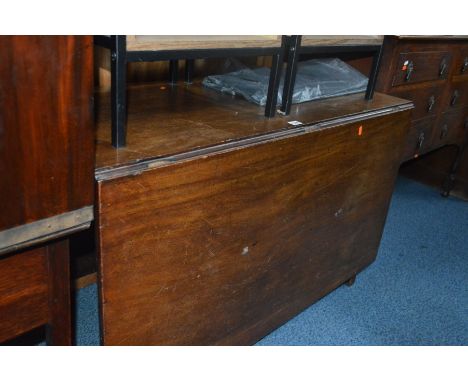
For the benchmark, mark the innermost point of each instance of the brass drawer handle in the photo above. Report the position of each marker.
(431, 103)
(455, 96)
(420, 141)
(442, 67)
(409, 70)
(465, 65)
(443, 131)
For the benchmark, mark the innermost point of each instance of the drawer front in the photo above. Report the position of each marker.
(457, 96)
(416, 67)
(427, 101)
(461, 64)
(419, 139)
(451, 128)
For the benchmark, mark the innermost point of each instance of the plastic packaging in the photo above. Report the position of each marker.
(316, 79)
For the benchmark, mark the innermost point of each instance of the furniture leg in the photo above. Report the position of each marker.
(59, 329)
(118, 90)
(189, 65)
(374, 72)
(273, 86)
(350, 281)
(450, 179)
(290, 75)
(173, 71)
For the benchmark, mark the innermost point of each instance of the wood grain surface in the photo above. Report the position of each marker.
(172, 42)
(23, 292)
(46, 127)
(223, 248)
(165, 120)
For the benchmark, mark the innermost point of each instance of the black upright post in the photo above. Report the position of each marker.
(461, 151)
(189, 65)
(173, 71)
(275, 77)
(293, 46)
(118, 90)
(374, 72)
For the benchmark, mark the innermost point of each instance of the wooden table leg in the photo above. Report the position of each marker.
(450, 178)
(350, 281)
(58, 330)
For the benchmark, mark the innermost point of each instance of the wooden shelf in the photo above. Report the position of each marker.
(167, 42)
(340, 40)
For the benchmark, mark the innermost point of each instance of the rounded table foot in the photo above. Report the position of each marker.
(351, 281)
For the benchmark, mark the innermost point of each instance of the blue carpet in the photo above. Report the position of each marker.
(415, 293)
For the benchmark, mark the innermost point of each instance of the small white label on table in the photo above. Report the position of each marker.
(295, 123)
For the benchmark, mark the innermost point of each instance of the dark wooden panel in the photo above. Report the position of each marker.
(460, 72)
(450, 129)
(457, 96)
(419, 139)
(46, 131)
(427, 100)
(424, 66)
(223, 248)
(35, 290)
(23, 292)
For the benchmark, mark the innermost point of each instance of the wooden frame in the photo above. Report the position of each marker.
(178, 42)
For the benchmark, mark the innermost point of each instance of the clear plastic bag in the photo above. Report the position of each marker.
(316, 79)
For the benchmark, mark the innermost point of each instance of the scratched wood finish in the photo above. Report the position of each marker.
(46, 127)
(223, 248)
(165, 120)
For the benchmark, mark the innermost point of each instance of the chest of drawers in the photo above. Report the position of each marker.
(433, 73)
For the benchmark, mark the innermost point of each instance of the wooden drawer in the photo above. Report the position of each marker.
(457, 96)
(450, 128)
(413, 67)
(419, 139)
(460, 71)
(427, 101)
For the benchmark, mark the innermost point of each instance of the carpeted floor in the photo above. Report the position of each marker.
(415, 293)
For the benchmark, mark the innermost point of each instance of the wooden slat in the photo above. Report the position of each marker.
(44, 229)
(316, 40)
(173, 42)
